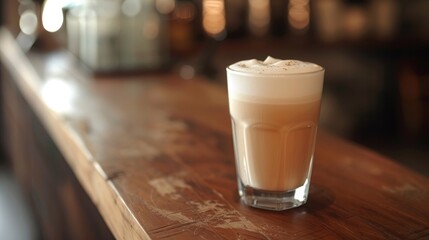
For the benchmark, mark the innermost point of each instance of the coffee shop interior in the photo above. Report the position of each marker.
(375, 53)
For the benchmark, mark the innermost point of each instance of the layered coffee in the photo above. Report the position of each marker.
(274, 106)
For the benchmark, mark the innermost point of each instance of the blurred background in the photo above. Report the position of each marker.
(375, 52)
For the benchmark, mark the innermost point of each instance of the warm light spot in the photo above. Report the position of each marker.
(259, 16)
(52, 15)
(299, 14)
(214, 17)
(299, 17)
(28, 22)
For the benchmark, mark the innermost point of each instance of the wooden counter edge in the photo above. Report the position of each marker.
(118, 217)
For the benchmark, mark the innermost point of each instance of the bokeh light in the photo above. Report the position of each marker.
(259, 16)
(214, 17)
(299, 14)
(52, 15)
(28, 22)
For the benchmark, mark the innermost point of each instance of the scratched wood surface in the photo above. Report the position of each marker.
(154, 153)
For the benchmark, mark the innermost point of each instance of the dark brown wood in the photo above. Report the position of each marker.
(61, 207)
(154, 153)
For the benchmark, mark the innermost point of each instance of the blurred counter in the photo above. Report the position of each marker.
(153, 155)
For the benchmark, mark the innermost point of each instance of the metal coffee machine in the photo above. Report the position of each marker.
(117, 35)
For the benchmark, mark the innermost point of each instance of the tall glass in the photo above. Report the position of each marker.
(274, 122)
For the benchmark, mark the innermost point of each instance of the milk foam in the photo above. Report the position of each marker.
(274, 66)
(275, 81)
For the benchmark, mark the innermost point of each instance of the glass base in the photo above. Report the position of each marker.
(273, 200)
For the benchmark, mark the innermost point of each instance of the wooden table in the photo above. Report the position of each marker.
(154, 153)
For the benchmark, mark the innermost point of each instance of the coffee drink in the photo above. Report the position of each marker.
(274, 106)
(275, 141)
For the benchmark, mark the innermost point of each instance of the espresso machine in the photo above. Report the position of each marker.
(106, 35)
(117, 35)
